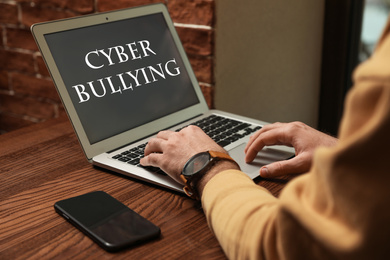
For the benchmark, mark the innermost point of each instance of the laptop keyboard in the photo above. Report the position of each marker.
(225, 131)
(222, 130)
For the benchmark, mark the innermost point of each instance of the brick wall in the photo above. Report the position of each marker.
(27, 94)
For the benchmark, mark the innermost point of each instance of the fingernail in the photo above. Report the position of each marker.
(141, 161)
(264, 172)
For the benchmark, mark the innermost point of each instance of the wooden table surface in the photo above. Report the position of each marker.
(44, 163)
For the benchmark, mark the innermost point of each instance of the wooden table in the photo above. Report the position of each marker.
(44, 163)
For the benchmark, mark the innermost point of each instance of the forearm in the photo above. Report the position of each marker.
(240, 213)
(217, 168)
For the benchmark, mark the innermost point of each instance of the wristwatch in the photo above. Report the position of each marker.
(197, 166)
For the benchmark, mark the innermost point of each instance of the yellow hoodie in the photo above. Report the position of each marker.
(338, 210)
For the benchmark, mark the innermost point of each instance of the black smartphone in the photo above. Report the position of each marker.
(108, 222)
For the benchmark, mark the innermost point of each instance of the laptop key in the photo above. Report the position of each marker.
(134, 161)
(223, 143)
(117, 156)
(241, 127)
(132, 155)
(125, 152)
(124, 159)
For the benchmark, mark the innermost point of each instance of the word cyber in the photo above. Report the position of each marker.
(98, 59)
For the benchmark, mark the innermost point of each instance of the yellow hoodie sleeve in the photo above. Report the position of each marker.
(340, 209)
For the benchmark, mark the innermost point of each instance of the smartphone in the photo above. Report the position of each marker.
(108, 222)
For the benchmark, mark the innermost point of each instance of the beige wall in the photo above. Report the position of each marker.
(268, 57)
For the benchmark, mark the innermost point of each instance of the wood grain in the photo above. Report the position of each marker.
(44, 163)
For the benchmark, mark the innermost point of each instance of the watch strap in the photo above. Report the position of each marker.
(188, 189)
(220, 155)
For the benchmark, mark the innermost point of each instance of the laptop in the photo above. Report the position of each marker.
(123, 76)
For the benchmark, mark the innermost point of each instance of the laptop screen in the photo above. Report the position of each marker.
(122, 74)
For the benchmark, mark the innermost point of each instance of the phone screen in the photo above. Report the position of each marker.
(107, 221)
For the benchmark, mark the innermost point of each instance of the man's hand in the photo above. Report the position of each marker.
(298, 135)
(171, 150)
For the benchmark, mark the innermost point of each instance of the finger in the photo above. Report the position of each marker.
(264, 129)
(275, 136)
(252, 151)
(157, 160)
(152, 159)
(155, 145)
(252, 139)
(293, 166)
(265, 138)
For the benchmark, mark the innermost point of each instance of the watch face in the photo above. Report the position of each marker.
(196, 163)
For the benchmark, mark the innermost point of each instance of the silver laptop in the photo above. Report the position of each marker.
(123, 76)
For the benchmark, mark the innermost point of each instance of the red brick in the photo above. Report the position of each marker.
(20, 38)
(208, 93)
(14, 60)
(36, 14)
(80, 6)
(4, 80)
(107, 5)
(9, 13)
(34, 87)
(203, 68)
(10, 123)
(1, 36)
(200, 12)
(27, 106)
(197, 41)
(41, 66)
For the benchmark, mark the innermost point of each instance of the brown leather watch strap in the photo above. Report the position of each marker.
(221, 155)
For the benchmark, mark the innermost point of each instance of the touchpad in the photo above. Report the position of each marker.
(264, 157)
